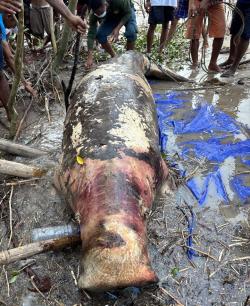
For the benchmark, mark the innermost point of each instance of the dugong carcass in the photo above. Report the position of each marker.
(111, 169)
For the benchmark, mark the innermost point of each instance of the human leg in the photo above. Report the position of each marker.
(4, 92)
(238, 45)
(103, 32)
(194, 51)
(168, 15)
(150, 37)
(194, 30)
(217, 45)
(232, 50)
(172, 29)
(164, 34)
(240, 52)
(217, 29)
(131, 31)
(4, 86)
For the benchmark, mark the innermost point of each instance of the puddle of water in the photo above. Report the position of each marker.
(221, 184)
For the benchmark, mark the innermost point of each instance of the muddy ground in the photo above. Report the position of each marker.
(219, 275)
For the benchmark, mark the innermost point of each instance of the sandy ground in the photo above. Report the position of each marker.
(218, 276)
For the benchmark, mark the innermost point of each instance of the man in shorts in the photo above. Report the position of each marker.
(217, 29)
(41, 16)
(238, 47)
(160, 12)
(112, 16)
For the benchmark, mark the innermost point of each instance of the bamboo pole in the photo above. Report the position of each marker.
(35, 248)
(18, 169)
(19, 149)
(52, 30)
(18, 72)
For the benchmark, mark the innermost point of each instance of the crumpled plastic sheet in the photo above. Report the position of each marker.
(221, 142)
(218, 127)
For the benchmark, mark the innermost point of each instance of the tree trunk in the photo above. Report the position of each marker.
(63, 44)
(18, 73)
(18, 169)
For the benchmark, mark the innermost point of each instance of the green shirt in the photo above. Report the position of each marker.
(117, 9)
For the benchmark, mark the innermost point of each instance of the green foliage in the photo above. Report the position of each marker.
(175, 53)
(14, 275)
(175, 271)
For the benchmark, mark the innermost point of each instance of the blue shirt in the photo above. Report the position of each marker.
(2, 29)
(243, 1)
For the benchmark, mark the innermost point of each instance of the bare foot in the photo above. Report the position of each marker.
(214, 68)
(227, 63)
(194, 66)
(228, 73)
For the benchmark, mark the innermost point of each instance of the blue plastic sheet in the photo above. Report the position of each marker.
(215, 138)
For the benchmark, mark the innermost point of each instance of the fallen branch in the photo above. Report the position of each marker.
(18, 169)
(35, 248)
(172, 296)
(19, 149)
(22, 120)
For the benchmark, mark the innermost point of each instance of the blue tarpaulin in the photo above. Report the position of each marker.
(215, 136)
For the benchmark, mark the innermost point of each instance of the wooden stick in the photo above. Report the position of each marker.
(23, 119)
(19, 149)
(18, 169)
(35, 248)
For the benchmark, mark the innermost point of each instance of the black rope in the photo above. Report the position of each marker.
(67, 91)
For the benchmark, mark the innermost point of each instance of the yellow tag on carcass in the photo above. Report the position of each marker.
(80, 160)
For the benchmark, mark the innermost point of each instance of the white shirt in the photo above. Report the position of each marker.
(164, 3)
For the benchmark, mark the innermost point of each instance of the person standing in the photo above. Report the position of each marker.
(216, 29)
(160, 12)
(238, 45)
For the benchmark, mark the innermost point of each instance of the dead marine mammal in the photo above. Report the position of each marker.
(110, 171)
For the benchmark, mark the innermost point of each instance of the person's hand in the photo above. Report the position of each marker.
(114, 35)
(89, 62)
(10, 6)
(28, 87)
(147, 6)
(77, 24)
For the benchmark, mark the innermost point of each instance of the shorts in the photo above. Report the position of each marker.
(216, 21)
(161, 14)
(182, 9)
(26, 6)
(237, 21)
(1, 56)
(40, 20)
(108, 25)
